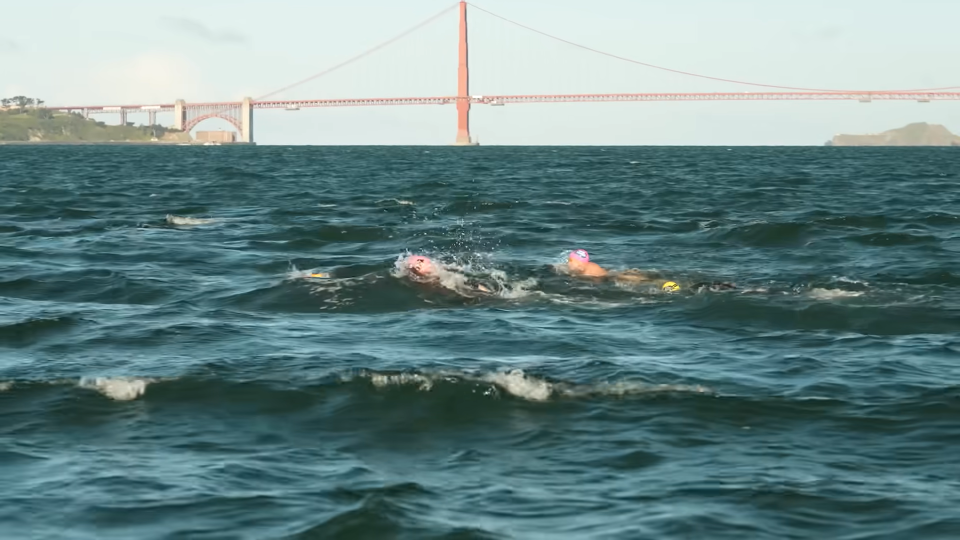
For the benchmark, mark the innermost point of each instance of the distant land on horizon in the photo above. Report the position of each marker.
(43, 126)
(35, 125)
(916, 134)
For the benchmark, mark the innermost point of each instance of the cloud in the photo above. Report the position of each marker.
(155, 77)
(8, 46)
(201, 31)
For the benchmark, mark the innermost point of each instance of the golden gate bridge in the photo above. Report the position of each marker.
(240, 113)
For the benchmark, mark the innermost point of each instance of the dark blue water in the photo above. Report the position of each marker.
(167, 371)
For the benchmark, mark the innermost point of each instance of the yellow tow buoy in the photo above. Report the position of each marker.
(670, 286)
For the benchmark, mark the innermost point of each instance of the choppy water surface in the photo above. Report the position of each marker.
(167, 371)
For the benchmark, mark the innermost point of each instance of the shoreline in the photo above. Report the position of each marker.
(118, 143)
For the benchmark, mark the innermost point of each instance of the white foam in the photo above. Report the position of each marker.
(749, 290)
(521, 385)
(514, 290)
(402, 202)
(117, 388)
(453, 277)
(295, 273)
(830, 294)
(626, 388)
(517, 383)
(184, 220)
(593, 303)
(5, 386)
(381, 380)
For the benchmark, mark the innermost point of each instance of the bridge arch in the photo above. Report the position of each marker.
(194, 122)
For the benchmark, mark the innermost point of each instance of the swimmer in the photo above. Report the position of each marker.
(578, 264)
(426, 270)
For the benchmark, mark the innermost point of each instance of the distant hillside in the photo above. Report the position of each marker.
(41, 125)
(919, 134)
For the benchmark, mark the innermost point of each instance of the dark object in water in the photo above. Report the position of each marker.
(714, 286)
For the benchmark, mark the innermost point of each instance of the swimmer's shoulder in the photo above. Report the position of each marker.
(595, 270)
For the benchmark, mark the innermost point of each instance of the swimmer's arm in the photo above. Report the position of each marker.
(474, 285)
(631, 275)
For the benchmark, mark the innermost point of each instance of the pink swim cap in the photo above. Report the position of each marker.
(418, 264)
(580, 255)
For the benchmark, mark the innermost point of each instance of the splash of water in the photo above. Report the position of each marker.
(185, 220)
(117, 388)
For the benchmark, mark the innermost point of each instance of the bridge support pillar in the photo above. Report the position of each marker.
(246, 120)
(123, 117)
(179, 114)
(86, 113)
(152, 118)
(463, 84)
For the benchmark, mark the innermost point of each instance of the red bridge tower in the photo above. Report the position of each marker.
(463, 84)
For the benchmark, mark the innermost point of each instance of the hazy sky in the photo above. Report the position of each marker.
(113, 51)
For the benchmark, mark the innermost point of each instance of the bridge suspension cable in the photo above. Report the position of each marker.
(363, 54)
(687, 73)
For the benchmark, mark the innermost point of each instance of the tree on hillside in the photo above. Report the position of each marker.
(5, 102)
(22, 102)
(43, 113)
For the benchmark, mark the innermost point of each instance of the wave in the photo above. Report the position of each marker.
(831, 294)
(936, 219)
(396, 202)
(396, 510)
(795, 233)
(64, 229)
(117, 388)
(518, 384)
(29, 331)
(226, 172)
(186, 220)
(866, 221)
(470, 207)
(764, 234)
(889, 239)
(100, 286)
(928, 277)
(317, 236)
(514, 384)
(835, 310)
(444, 397)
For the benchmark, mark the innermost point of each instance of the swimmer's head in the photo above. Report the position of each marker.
(578, 257)
(420, 265)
